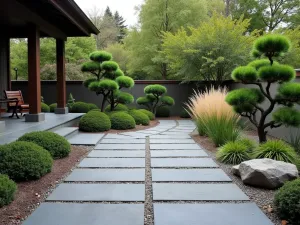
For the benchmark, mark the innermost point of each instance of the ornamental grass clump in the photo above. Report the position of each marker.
(214, 117)
(233, 153)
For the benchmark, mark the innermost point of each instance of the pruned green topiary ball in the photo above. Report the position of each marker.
(8, 189)
(80, 107)
(244, 96)
(150, 115)
(57, 145)
(140, 117)
(52, 107)
(272, 43)
(125, 82)
(44, 107)
(119, 107)
(233, 153)
(24, 161)
(241, 108)
(244, 74)
(90, 66)
(92, 106)
(276, 150)
(87, 82)
(119, 73)
(125, 98)
(94, 121)
(143, 101)
(257, 64)
(167, 100)
(277, 73)
(163, 111)
(287, 116)
(100, 56)
(287, 202)
(109, 66)
(122, 121)
(155, 89)
(290, 91)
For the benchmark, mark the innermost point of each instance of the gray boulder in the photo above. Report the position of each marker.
(267, 173)
(236, 170)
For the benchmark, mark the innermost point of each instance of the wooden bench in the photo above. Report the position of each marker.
(12, 105)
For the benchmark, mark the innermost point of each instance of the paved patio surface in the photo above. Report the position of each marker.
(108, 187)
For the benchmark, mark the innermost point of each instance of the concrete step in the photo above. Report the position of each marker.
(67, 132)
(81, 138)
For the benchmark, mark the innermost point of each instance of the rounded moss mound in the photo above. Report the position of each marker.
(139, 117)
(184, 114)
(80, 107)
(287, 202)
(24, 161)
(163, 111)
(57, 145)
(53, 106)
(8, 189)
(119, 107)
(44, 107)
(122, 121)
(94, 121)
(92, 106)
(148, 113)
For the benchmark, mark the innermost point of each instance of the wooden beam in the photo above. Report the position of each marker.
(61, 74)
(34, 82)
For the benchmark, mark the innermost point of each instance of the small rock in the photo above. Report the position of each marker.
(235, 170)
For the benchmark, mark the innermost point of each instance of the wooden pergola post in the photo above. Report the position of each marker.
(34, 81)
(61, 77)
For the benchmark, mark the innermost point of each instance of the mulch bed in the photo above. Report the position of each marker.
(30, 194)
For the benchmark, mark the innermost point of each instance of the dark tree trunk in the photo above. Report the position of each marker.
(262, 135)
(103, 103)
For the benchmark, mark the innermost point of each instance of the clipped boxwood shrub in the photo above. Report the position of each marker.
(92, 106)
(184, 114)
(122, 121)
(139, 117)
(8, 189)
(94, 121)
(163, 111)
(57, 145)
(287, 202)
(119, 107)
(80, 107)
(148, 113)
(24, 161)
(44, 107)
(233, 153)
(53, 106)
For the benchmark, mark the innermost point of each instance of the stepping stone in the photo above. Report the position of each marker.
(209, 214)
(172, 141)
(121, 146)
(197, 192)
(87, 214)
(176, 133)
(174, 137)
(81, 175)
(148, 132)
(98, 192)
(117, 136)
(116, 154)
(183, 162)
(175, 146)
(123, 141)
(178, 153)
(85, 139)
(135, 135)
(204, 175)
(112, 163)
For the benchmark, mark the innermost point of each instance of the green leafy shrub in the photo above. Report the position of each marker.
(277, 150)
(57, 145)
(92, 106)
(139, 117)
(71, 102)
(94, 121)
(163, 111)
(80, 107)
(24, 161)
(150, 115)
(287, 116)
(249, 143)
(52, 107)
(233, 153)
(287, 202)
(184, 114)
(8, 189)
(119, 107)
(44, 107)
(122, 121)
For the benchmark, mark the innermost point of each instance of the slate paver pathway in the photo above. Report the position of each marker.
(113, 174)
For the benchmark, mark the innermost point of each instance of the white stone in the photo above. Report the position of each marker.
(235, 170)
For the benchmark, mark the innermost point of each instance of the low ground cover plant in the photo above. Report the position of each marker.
(150, 115)
(44, 107)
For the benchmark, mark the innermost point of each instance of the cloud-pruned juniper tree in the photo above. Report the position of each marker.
(264, 73)
(108, 80)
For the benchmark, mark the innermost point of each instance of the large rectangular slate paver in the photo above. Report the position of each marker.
(135, 134)
(209, 214)
(199, 192)
(116, 154)
(162, 136)
(178, 153)
(176, 133)
(120, 146)
(175, 146)
(118, 136)
(123, 141)
(98, 192)
(87, 214)
(81, 175)
(171, 141)
(148, 132)
(112, 163)
(204, 175)
(85, 139)
(183, 162)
